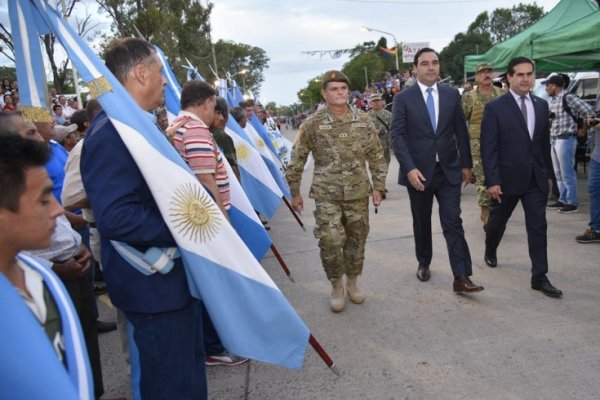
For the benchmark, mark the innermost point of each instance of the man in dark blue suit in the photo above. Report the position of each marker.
(166, 320)
(515, 152)
(431, 142)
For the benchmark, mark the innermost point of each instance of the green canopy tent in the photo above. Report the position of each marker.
(565, 13)
(574, 47)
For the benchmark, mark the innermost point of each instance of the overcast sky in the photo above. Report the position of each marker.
(285, 28)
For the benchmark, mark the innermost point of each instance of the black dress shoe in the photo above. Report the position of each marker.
(423, 273)
(546, 288)
(490, 259)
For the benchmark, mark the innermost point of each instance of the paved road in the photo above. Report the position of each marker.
(415, 340)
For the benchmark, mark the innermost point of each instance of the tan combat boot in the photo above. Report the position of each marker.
(356, 295)
(338, 297)
(485, 216)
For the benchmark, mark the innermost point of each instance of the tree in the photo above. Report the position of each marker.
(311, 94)
(371, 63)
(61, 73)
(233, 58)
(484, 32)
(181, 28)
(452, 57)
(503, 23)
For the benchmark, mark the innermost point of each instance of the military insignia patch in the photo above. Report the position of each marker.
(359, 125)
(325, 127)
(343, 135)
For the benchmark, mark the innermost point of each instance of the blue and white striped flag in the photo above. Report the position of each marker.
(172, 90)
(257, 181)
(242, 216)
(263, 144)
(30, 367)
(250, 313)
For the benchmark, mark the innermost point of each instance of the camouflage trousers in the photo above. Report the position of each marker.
(483, 198)
(386, 144)
(342, 228)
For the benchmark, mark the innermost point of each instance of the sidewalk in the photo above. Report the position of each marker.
(416, 340)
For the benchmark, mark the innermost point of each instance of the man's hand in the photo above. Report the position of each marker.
(76, 220)
(75, 267)
(466, 176)
(170, 131)
(298, 203)
(495, 193)
(377, 198)
(416, 179)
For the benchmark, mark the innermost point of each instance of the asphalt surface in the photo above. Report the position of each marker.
(419, 340)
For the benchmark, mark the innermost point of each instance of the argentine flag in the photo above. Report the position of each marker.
(250, 313)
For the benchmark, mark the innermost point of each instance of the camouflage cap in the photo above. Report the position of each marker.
(483, 67)
(375, 96)
(334, 76)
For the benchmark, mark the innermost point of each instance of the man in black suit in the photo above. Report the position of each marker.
(515, 151)
(431, 142)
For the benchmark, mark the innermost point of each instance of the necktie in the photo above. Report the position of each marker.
(524, 108)
(524, 112)
(431, 108)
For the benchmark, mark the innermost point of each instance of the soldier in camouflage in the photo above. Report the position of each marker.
(473, 104)
(382, 119)
(341, 139)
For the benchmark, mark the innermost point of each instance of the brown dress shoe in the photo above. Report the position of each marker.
(463, 284)
(423, 273)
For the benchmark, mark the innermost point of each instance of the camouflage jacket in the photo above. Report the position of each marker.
(386, 116)
(341, 147)
(473, 104)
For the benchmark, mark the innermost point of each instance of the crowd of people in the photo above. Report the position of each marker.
(72, 194)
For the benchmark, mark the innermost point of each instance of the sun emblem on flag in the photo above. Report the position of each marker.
(260, 143)
(242, 151)
(193, 213)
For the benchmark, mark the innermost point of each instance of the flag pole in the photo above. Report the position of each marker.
(282, 263)
(324, 356)
(287, 203)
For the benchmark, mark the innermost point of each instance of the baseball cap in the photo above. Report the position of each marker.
(61, 131)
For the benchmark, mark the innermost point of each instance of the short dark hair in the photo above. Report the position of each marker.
(424, 50)
(92, 108)
(17, 154)
(7, 122)
(221, 107)
(54, 107)
(510, 70)
(237, 113)
(79, 117)
(194, 93)
(124, 54)
(243, 104)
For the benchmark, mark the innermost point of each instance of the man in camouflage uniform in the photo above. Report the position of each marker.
(382, 119)
(342, 139)
(473, 103)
